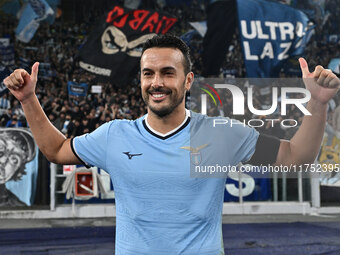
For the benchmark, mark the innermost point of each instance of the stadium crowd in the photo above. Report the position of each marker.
(57, 45)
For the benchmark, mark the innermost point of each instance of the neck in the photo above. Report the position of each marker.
(167, 123)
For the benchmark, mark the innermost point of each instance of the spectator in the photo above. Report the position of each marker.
(14, 122)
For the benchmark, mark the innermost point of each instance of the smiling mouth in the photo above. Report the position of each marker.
(158, 96)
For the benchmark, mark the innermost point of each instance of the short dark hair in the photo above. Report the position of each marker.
(170, 41)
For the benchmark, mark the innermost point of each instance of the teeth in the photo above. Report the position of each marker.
(158, 95)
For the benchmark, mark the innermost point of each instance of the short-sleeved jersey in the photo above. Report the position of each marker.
(160, 208)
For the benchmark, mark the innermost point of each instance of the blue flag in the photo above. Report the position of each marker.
(270, 34)
(34, 12)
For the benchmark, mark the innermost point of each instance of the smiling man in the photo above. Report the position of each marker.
(165, 78)
(160, 208)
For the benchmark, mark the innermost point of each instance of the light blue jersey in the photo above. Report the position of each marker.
(160, 208)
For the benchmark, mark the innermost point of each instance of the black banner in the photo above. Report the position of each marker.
(221, 24)
(113, 49)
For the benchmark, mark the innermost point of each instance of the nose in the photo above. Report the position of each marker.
(157, 81)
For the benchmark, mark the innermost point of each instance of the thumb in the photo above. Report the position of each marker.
(304, 67)
(35, 70)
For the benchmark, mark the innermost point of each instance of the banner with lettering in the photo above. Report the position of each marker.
(270, 33)
(251, 188)
(113, 49)
(77, 89)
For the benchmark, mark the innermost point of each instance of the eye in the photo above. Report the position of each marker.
(147, 73)
(169, 73)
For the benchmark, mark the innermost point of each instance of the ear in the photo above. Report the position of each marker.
(189, 80)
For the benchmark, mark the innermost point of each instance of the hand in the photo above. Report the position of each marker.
(22, 84)
(114, 108)
(322, 83)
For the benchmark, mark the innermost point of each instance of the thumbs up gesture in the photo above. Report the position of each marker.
(22, 84)
(322, 83)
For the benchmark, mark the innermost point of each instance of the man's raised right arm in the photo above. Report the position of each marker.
(52, 143)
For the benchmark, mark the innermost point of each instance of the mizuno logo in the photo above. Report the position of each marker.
(132, 155)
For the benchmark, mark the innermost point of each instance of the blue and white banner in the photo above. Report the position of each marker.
(200, 27)
(251, 188)
(6, 52)
(270, 33)
(18, 175)
(25, 188)
(77, 89)
(34, 12)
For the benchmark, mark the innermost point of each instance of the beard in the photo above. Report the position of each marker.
(175, 100)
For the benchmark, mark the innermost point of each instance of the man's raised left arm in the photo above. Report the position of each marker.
(304, 146)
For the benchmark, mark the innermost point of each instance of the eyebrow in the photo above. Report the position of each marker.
(147, 70)
(166, 68)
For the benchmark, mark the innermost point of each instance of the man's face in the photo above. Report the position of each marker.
(163, 81)
(11, 159)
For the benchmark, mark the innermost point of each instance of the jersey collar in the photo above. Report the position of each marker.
(170, 133)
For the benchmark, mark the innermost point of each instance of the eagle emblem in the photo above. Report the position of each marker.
(114, 40)
(195, 154)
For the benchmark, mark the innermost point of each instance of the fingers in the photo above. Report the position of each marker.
(19, 77)
(16, 79)
(304, 67)
(335, 83)
(331, 80)
(317, 71)
(321, 77)
(326, 78)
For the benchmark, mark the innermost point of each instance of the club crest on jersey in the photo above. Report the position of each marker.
(195, 154)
